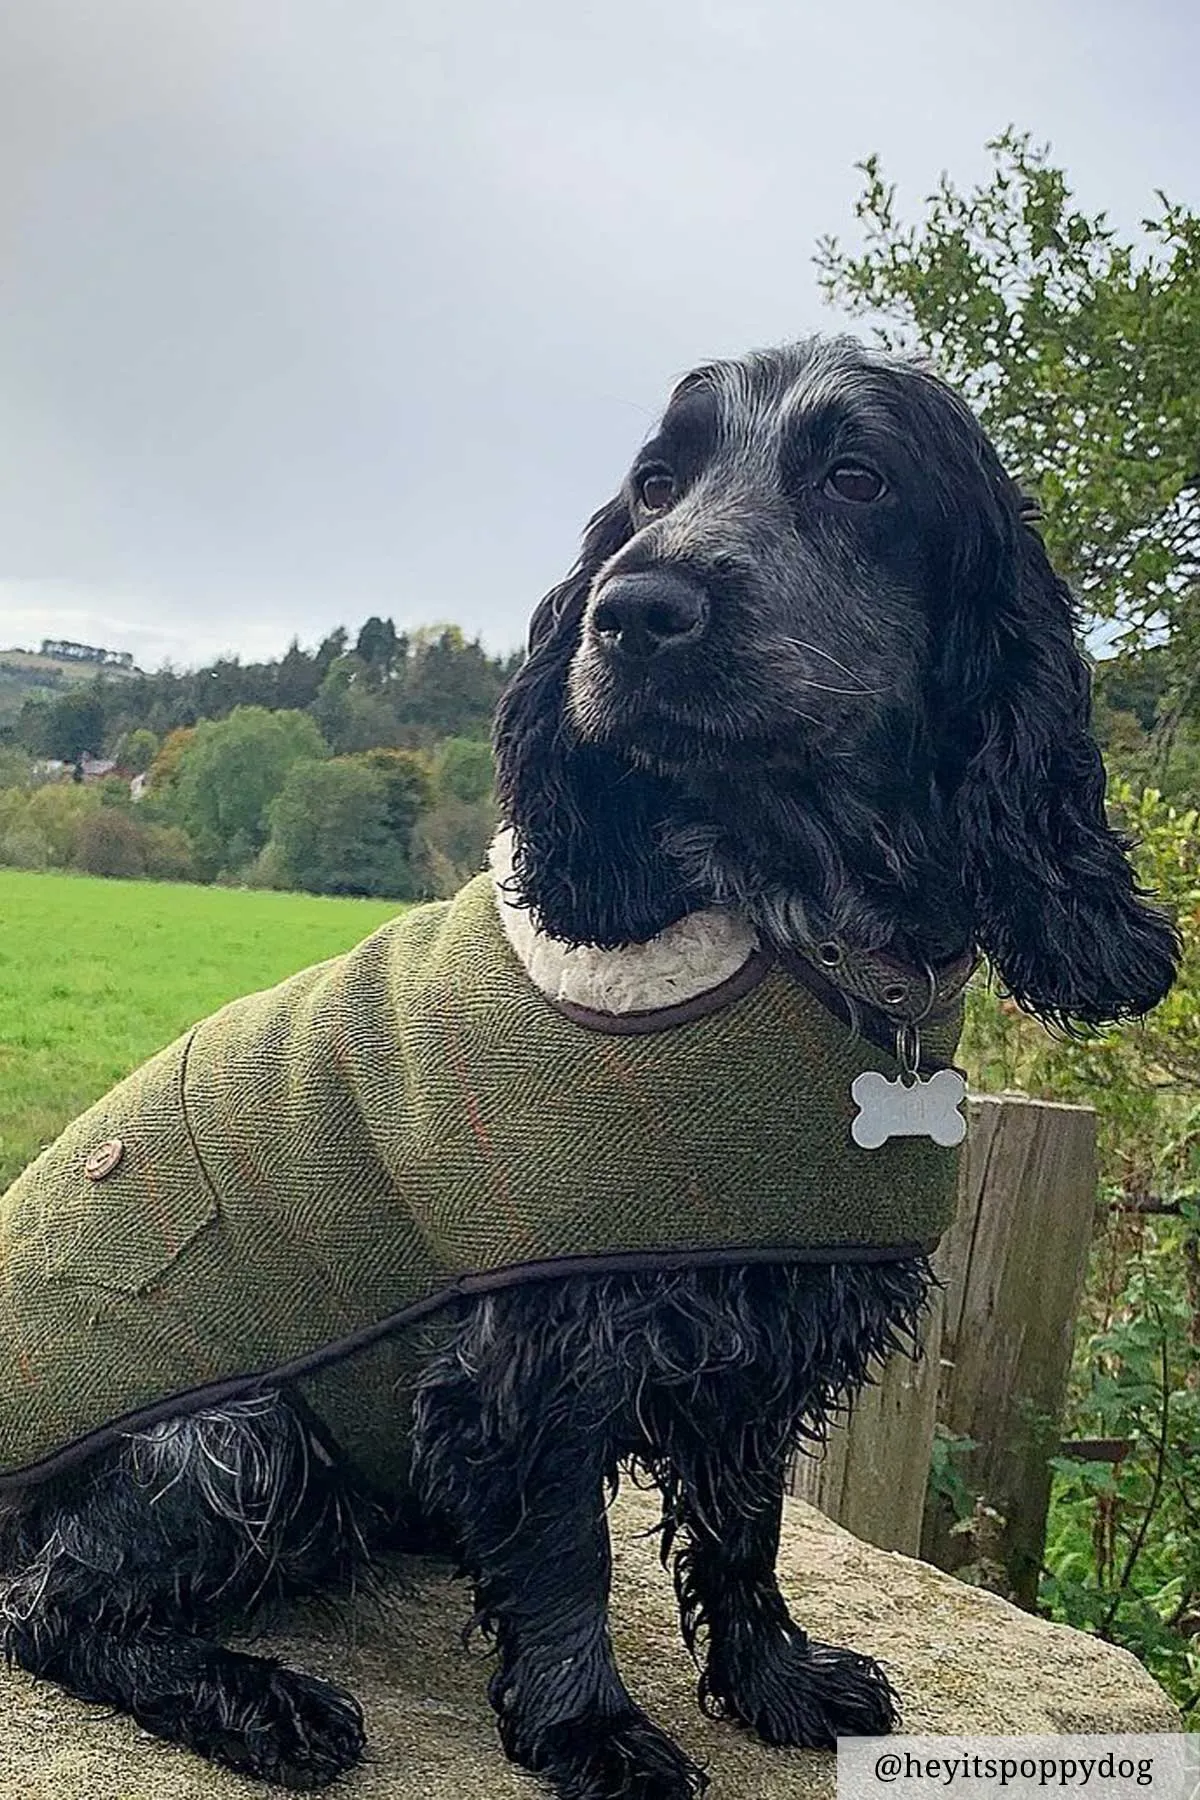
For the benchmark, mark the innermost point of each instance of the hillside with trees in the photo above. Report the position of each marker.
(41, 675)
(342, 770)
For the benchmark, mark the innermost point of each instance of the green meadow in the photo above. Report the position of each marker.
(97, 975)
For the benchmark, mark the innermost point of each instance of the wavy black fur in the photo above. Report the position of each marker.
(881, 734)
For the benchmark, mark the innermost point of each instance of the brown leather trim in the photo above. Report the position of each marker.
(755, 969)
(628, 1262)
(872, 1024)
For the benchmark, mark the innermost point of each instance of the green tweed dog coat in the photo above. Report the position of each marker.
(297, 1178)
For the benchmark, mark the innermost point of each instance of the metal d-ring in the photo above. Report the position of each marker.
(908, 1035)
(908, 1051)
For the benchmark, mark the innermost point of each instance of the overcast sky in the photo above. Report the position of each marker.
(317, 308)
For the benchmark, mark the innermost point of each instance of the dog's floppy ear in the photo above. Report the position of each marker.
(1058, 910)
(587, 858)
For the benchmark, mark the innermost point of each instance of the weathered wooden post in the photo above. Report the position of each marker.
(872, 1475)
(1014, 1264)
(997, 1351)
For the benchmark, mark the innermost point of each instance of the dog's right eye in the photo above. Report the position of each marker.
(854, 481)
(656, 490)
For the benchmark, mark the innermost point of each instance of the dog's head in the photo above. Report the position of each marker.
(817, 636)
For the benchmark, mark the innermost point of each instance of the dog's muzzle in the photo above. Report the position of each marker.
(639, 616)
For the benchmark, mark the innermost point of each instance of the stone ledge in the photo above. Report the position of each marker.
(962, 1661)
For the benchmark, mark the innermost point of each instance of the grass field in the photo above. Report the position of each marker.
(97, 975)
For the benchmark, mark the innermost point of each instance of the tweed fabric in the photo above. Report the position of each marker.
(316, 1160)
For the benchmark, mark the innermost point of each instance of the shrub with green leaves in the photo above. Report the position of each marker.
(1123, 1546)
(16, 768)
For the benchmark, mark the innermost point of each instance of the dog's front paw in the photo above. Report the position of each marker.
(283, 1726)
(792, 1690)
(605, 1758)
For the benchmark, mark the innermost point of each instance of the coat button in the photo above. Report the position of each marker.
(104, 1159)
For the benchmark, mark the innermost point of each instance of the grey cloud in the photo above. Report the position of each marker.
(313, 309)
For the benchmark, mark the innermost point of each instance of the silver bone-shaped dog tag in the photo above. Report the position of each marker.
(912, 1108)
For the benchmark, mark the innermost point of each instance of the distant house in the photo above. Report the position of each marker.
(95, 768)
(66, 651)
(91, 768)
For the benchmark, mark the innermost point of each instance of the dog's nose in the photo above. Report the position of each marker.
(641, 615)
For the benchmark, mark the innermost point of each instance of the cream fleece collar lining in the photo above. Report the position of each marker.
(691, 957)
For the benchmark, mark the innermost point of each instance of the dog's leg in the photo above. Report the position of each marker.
(758, 1665)
(112, 1580)
(528, 1506)
(245, 1712)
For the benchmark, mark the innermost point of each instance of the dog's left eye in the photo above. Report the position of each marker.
(656, 490)
(852, 481)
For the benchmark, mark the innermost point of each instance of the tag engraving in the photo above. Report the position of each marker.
(914, 1108)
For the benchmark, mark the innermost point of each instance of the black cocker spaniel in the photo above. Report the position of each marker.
(813, 674)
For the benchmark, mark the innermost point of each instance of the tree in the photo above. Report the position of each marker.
(16, 771)
(1143, 743)
(463, 769)
(71, 726)
(297, 679)
(452, 837)
(136, 750)
(451, 841)
(229, 774)
(330, 833)
(409, 788)
(332, 707)
(164, 770)
(1081, 354)
(330, 648)
(352, 710)
(377, 645)
(452, 685)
